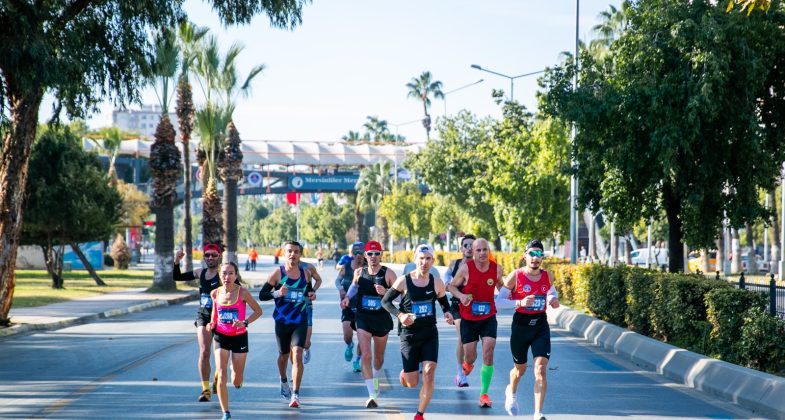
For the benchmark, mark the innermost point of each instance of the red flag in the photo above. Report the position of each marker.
(292, 198)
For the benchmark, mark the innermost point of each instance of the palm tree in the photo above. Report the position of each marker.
(352, 137)
(189, 36)
(376, 129)
(613, 23)
(165, 164)
(422, 88)
(374, 182)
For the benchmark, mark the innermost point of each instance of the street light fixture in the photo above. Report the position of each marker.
(455, 90)
(512, 78)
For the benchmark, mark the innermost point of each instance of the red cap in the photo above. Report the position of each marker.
(373, 246)
(212, 247)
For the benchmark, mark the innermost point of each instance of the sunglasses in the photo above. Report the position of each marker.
(537, 254)
(211, 255)
(373, 253)
(467, 246)
(357, 253)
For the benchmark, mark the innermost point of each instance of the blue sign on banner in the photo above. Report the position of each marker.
(337, 182)
(93, 251)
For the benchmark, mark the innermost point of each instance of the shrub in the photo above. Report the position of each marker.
(762, 345)
(639, 284)
(580, 284)
(120, 253)
(561, 278)
(108, 261)
(607, 292)
(725, 311)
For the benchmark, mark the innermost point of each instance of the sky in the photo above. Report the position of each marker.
(352, 58)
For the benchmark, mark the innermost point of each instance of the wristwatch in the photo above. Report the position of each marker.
(245, 322)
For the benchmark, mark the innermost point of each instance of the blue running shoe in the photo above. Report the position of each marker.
(347, 354)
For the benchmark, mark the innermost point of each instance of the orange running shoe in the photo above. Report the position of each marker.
(467, 368)
(485, 401)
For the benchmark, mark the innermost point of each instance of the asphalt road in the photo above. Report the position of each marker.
(143, 366)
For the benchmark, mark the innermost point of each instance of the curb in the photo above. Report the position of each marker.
(155, 303)
(757, 391)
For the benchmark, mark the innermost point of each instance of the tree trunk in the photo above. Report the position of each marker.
(50, 261)
(774, 232)
(752, 261)
(721, 251)
(627, 247)
(188, 194)
(164, 247)
(87, 265)
(17, 143)
(675, 245)
(735, 261)
(384, 231)
(497, 243)
(358, 221)
(230, 219)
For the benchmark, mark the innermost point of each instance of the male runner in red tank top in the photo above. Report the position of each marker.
(479, 280)
(532, 291)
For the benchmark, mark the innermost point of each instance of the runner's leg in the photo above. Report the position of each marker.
(221, 368)
(426, 392)
(238, 368)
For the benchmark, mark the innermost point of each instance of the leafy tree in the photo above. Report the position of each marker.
(681, 117)
(251, 209)
(135, 208)
(422, 88)
(64, 177)
(374, 182)
(749, 5)
(82, 53)
(405, 211)
(279, 226)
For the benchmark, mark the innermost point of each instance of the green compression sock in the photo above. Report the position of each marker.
(486, 373)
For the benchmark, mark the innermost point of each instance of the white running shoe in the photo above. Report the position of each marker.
(461, 381)
(306, 356)
(371, 402)
(510, 402)
(295, 401)
(286, 392)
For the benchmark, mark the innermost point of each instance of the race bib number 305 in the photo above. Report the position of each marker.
(422, 308)
(372, 303)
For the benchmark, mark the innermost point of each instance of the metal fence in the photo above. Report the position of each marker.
(775, 293)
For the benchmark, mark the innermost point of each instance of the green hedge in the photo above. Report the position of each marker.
(694, 312)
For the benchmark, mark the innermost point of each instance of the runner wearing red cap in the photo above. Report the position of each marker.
(373, 322)
(208, 281)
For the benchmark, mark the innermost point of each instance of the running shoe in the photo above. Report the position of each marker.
(356, 365)
(510, 402)
(485, 401)
(347, 354)
(376, 386)
(226, 416)
(204, 396)
(306, 356)
(419, 417)
(295, 401)
(467, 369)
(286, 393)
(461, 381)
(371, 403)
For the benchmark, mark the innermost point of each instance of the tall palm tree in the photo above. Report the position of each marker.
(377, 129)
(165, 163)
(352, 137)
(613, 23)
(374, 182)
(422, 88)
(189, 37)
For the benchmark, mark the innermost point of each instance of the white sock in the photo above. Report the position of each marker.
(460, 371)
(369, 385)
(537, 416)
(375, 373)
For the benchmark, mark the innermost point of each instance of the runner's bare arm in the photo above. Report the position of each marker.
(441, 297)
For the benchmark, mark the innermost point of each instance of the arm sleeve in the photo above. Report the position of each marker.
(266, 292)
(503, 299)
(552, 294)
(444, 303)
(387, 301)
(178, 276)
(353, 289)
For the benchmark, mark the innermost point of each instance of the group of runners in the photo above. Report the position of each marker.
(370, 296)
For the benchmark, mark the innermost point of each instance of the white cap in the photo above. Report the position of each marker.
(423, 249)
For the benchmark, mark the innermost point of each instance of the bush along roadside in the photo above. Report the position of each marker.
(693, 312)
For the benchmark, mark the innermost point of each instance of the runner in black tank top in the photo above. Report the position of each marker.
(417, 323)
(346, 267)
(373, 322)
(466, 249)
(212, 259)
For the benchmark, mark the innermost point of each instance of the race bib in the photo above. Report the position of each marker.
(205, 301)
(539, 303)
(294, 295)
(372, 303)
(228, 315)
(422, 308)
(481, 308)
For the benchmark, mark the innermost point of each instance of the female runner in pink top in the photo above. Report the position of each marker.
(229, 324)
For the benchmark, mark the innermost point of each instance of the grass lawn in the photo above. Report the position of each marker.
(34, 287)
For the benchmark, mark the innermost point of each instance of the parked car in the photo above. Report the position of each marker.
(763, 266)
(695, 261)
(640, 257)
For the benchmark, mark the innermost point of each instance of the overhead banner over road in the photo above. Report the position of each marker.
(315, 182)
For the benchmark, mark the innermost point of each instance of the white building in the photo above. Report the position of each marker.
(142, 122)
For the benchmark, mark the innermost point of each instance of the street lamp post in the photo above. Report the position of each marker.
(512, 78)
(455, 90)
(573, 178)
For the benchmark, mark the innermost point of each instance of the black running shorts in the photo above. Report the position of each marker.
(454, 305)
(472, 331)
(378, 325)
(290, 335)
(233, 343)
(530, 331)
(202, 319)
(419, 345)
(348, 315)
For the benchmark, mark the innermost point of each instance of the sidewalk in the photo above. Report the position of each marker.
(107, 305)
